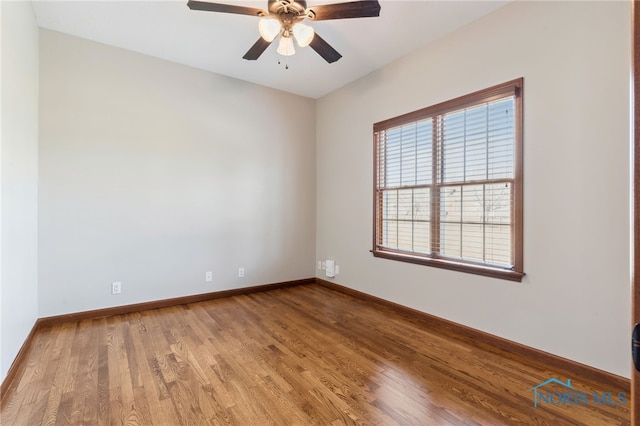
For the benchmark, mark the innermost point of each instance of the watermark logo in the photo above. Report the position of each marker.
(546, 393)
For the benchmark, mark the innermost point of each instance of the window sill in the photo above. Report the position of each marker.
(486, 271)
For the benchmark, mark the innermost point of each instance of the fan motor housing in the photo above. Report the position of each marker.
(286, 7)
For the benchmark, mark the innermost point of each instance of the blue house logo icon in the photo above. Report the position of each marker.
(551, 380)
(569, 396)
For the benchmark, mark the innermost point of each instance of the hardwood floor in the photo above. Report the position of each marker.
(304, 355)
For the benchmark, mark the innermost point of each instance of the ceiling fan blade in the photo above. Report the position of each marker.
(354, 9)
(225, 8)
(256, 50)
(324, 49)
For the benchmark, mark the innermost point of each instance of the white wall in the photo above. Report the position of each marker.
(18, 178)
(575, 59)
(152, 173)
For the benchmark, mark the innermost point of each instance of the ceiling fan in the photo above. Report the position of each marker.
(283, 18)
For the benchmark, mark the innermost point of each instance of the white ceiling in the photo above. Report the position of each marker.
(217, 41)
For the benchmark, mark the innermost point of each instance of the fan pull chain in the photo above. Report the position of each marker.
(286, 66)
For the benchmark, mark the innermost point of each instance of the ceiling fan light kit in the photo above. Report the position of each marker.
(283, 18)
(285, 47)
(269, 28)
(303, 34)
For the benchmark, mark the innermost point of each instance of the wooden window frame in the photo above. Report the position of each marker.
(516, 272)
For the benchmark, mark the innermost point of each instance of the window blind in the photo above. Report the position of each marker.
(448, 182)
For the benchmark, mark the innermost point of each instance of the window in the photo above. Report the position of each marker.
(448, 184)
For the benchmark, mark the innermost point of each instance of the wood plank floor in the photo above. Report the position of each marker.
(304, 355)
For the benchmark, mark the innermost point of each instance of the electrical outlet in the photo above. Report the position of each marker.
(208, 276)
(240, 272)
(330, 268)
(337, 271)
(319, 265)
(116, 287)
(323, 265)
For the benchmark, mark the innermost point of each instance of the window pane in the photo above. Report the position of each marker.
(472, 241)
(498, 244)
(424, 144)
(421, 239)
(390, 234)
(450, 239)
(405, 215)
(405, 204)
(452, 156)
(450, 217)
(390, 204)
(467, 212)
(408, 142)
(421, 204)
(393, 151)
(476, 143)
(405, 235)
(451, 204)
(501, 139)
(498, 203)
(422, 215)
(473, 203)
